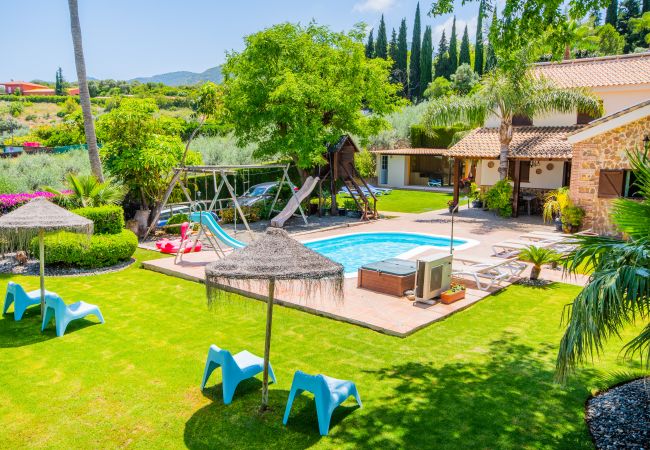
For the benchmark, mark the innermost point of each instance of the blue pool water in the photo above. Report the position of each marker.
(356, 250)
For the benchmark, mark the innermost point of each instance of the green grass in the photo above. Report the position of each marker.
(406, 201)
(481, 379)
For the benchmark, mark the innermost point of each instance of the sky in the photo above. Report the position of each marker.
(124, 39)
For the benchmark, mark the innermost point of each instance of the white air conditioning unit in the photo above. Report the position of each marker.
(432, 276)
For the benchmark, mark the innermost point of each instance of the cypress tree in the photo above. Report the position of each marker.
(414, 66)
(392, 52)
(490, 55)
(611, 16)
(58, 82)
(381, 45)
(478, 47)
(629, 9)
(370, 46)
(646, 6)
(426, 60)
(453, 49)
(402, 57)
(465, 57)
(442, 62)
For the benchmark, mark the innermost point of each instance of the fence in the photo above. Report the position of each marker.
(7, 151)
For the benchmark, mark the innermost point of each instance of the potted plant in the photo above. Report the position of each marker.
(554, 204)
(572, 218)
(538, 256)
(475, 195)
(452, 206)
(453, 294)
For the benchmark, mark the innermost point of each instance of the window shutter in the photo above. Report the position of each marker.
(610, 183)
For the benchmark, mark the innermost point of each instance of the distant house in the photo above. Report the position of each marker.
(26, 88)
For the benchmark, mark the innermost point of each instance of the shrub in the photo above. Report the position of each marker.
(178, 219)
(101, 250)
(108, 219)
(439, 137)
(252, 213)
(9, 202)
(498, 198)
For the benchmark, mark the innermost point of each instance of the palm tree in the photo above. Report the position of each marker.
(506, 93)
(538, 256)
(84, 95)
(554, 203)
(618, 293)
(86, 190)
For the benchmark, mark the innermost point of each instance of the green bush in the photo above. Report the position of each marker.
(48, 99)
(252, 213)
(178, 219)
(440, 137)
(75, 250)
(108, 219)
(499, 198)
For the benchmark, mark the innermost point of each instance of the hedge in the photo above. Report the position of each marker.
(108, 219)
(100, 250)
(47, 99)
(441, 138)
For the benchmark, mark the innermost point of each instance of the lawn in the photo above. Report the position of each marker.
(407, 201)
(482, 378)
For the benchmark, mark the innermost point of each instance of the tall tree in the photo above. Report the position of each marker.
(628, 10)
(453, 49)
(381, 45)
(646, 6)
(465, 57)
(611, 16)
(84, 95)
(402, 58)
(392, 53)
(370, 45)
(58, 82)
(442, 68)
(490, 54)
(618, 292)
(426, 59)
(478, 46)
(414, 66)
(505, 94)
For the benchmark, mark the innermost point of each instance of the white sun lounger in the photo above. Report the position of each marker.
(508, 249)
(492, 272)
(516, 267)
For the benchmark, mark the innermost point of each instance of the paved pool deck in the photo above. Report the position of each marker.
(396, 316)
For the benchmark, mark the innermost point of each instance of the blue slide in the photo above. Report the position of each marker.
(207, 219)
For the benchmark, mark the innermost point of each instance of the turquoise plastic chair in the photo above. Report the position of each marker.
(234, 369)
(23, 300)
(64, 314)
(328, 392)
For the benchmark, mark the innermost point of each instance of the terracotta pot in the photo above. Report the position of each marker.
(451, 297)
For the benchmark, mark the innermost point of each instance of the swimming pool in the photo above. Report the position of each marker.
(356, 250)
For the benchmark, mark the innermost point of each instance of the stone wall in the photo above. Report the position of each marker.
(605, 151)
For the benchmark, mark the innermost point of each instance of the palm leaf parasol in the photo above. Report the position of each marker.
(273, 258)
(36, 218)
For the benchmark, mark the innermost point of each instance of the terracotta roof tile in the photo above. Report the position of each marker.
(528, 142)
(598, 72)
(413, 151)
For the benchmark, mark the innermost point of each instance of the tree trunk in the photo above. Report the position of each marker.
(189, 141)
(84, 95)
(534, 272)
(505, 137)
(567, 52)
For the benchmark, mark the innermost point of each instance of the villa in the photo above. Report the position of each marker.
(551, 151)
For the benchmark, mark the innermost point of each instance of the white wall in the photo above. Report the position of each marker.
(397, 170)
(548, 179)
(556, 120)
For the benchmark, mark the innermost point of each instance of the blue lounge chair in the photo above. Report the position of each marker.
(64, 314)
(23, 300)
(234, 369)
(328, 392)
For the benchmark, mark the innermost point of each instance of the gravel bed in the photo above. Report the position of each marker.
(9, 265)
(534, 283)
(620, 417)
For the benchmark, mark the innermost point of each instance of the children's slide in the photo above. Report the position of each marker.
(207, 220)
(293, 204)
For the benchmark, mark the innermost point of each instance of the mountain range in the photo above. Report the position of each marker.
(183, 77)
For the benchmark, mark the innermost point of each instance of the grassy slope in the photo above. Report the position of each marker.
(412, 201)
(482, 378)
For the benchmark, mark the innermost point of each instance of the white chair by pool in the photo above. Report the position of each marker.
(516, 267)
(492, 272)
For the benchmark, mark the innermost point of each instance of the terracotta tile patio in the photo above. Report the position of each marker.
(385, 313)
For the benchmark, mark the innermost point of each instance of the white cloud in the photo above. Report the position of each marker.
(460, 28)
(373, 5)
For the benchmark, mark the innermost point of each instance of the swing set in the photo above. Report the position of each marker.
(220, 182)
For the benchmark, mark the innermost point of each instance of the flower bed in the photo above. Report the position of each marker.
(9, 202)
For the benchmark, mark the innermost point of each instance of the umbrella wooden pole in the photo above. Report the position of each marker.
(41, 253)
(267, 345)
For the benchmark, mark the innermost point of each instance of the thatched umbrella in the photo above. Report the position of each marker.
(273, 258)
(36, 218)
